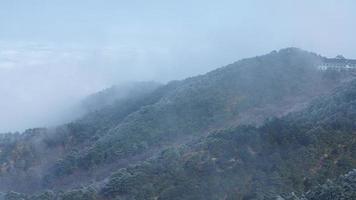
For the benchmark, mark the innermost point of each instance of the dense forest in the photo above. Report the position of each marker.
(268, 127)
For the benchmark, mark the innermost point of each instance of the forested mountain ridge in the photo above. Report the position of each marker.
(188, 118)
(284, 155)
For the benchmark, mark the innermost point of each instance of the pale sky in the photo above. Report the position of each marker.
(55, 52)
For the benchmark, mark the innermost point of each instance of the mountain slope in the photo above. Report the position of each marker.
(284, 155)
(294, 153)
(133, 130)
(214, 100)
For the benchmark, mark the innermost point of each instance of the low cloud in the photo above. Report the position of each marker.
(39, 85)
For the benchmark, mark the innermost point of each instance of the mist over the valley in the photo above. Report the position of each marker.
(55, 53)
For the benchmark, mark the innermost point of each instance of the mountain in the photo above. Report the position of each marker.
(290, 154)
(254, 129)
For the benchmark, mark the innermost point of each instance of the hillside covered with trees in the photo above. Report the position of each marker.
(260, 128)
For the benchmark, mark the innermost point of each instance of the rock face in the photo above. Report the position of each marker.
(255, 129)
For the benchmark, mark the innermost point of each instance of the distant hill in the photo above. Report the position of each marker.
(116, 93)
(212, 136)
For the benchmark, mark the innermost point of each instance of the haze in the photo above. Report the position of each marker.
(54, 53)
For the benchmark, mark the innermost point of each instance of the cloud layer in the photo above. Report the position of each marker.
(54, 53)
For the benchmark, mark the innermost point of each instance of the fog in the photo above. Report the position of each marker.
(54, 53)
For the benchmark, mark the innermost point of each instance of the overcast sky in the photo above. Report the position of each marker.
(54, 52)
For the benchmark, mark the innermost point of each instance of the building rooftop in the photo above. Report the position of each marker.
(339, 60)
